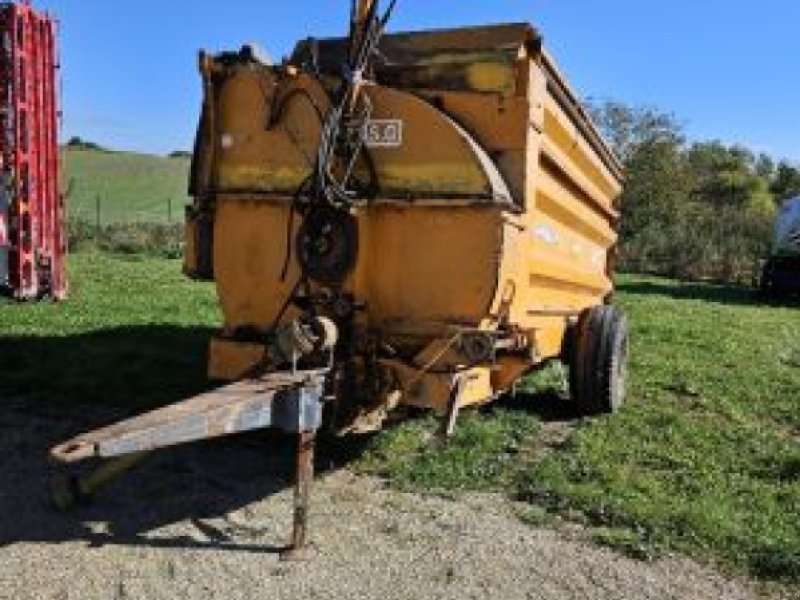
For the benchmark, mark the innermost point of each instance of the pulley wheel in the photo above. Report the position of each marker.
(327, 244)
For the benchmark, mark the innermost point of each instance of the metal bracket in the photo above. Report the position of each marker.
(291, 402)
(448, 427)
(298, 410)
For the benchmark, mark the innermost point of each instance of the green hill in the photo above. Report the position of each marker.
(130, 187)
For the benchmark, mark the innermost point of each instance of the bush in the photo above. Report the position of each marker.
(78, 143)
(157, 239)
(702, 243)
(691, 211)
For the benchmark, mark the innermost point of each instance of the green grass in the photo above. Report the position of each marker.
(479, 457)
(704, 460)
(133, 334)
(131, 187)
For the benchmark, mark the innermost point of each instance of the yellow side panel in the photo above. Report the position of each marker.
(560, 131)
(555, 254)
(229, 360)
(497, 123)
(418, 267)
(253, 157)
(567, 205)
(249, 255)
(190, 247)
(432, 158)
(431, 264)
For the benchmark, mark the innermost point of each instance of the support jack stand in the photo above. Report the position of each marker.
(291, 402)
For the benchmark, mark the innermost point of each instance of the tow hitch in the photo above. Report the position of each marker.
(291, 402)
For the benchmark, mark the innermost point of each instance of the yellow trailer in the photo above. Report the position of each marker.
(479, 225)
(408, 220)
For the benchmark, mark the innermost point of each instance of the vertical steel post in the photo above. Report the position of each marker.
(364, 8)
(302, 491)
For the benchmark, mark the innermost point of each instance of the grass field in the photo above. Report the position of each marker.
(131, 187)
(705, 459)
(133, 334)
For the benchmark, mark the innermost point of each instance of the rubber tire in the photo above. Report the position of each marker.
(598, 361)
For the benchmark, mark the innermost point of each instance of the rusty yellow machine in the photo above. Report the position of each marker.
(407, 220)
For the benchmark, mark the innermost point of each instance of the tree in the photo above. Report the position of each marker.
(78, 143)
(628, 128)
(765, 166)
(786, 183)
(729, 176)
(649, 142)
(696, 211)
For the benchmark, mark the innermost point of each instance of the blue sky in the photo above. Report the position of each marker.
(729, 70)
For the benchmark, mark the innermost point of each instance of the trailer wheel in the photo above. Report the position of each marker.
(598, 360)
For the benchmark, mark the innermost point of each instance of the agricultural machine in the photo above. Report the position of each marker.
(780, 275)
(32, 236)
(397, 221)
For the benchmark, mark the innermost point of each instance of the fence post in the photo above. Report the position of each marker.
(169, 210)
(97, 218)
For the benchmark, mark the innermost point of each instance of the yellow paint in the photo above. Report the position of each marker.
(190, 247)
(451, 259)
(455, 247)
(568, 139)
(254, 157)
(433, 391)
(489, 76)
(229, 360)
(364, 6)
(433, 159)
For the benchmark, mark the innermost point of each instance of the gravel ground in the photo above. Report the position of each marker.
(207, 522)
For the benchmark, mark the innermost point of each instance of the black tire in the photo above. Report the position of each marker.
(598, 360)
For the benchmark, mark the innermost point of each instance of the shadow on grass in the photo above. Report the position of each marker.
(54, 388)
(548, 405)
(125, 369)
(705, 292)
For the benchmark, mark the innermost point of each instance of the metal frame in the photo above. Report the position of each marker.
(30, 155)
(289, 401)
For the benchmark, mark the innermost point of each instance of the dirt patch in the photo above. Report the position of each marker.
(207, 522)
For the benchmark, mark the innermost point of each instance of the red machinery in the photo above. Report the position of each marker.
(32, 236)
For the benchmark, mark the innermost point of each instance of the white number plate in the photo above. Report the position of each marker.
(384, 133)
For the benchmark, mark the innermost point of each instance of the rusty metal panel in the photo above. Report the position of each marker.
(476, 58)
(500, 43)
(291, 402)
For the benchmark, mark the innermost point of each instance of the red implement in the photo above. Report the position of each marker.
(32, 216)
